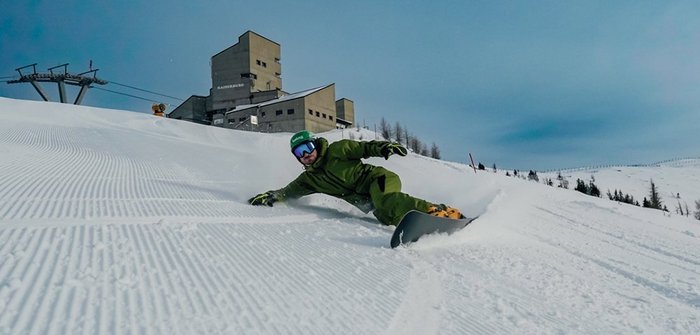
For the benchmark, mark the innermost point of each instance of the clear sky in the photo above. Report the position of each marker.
(522, 84)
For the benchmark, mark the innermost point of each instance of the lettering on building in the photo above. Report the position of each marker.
(224, 87)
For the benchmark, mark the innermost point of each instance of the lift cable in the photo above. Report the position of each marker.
(8, 78)
(125, 94)
(147, 91)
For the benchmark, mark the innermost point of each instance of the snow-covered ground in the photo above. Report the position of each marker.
(125, 223)
(677, 182)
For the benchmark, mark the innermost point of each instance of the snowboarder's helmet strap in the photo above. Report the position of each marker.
(301, 137)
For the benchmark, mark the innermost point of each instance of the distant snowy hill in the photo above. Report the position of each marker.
(678, 181)
(114, 222)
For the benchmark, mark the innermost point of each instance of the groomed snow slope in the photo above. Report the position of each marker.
(125, 223)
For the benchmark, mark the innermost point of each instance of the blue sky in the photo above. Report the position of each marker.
(522, 84)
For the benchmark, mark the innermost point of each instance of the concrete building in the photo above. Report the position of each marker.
(247, 94)
(313, 110)
(194, 109)
(345, 112)
(245, 70)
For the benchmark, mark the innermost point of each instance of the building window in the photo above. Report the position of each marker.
(264, 64)
(290, 111)
(249, 75)
(324, 115)
(318, 114)
(278, 112)
(262, 114)
(311, 112)
(330, 117)
(258, 62)
(241, 119)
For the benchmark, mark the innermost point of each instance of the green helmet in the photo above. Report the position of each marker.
(301, 137)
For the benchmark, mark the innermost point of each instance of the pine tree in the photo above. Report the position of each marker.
(398, 130)
(424, 150)
(533, 176)
(416, 145)
(409, 140)
(593, 190)
(385, 129)
(654, 197)
(581, 186)
(405, 135)
(435, 151)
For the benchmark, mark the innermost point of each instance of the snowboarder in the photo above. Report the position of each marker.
(336, 169)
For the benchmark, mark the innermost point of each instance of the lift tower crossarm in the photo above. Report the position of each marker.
(61, 79)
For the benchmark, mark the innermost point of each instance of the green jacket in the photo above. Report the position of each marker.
(339, 172)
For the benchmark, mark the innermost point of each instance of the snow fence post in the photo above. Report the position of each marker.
(472, 159)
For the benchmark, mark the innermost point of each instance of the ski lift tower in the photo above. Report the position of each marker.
(61, 77)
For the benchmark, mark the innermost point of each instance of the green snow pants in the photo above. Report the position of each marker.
(390, 205)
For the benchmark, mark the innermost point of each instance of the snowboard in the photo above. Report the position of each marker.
(416, 224)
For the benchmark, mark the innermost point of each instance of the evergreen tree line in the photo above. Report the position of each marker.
(401, 135)
(590, 188)
(622, 197)
(654, 200)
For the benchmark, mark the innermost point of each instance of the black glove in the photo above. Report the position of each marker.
(393, 148)
(267, 198)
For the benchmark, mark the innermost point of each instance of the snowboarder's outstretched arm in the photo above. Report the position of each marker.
(349, 149)
(296, 189)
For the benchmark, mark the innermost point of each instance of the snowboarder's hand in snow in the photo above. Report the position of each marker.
(267, 198)
(393, 148)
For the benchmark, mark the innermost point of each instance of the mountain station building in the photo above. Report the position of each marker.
(247, 94)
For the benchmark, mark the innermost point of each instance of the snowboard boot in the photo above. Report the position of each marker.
(444, 211)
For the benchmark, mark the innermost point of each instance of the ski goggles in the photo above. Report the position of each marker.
(302, 149)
